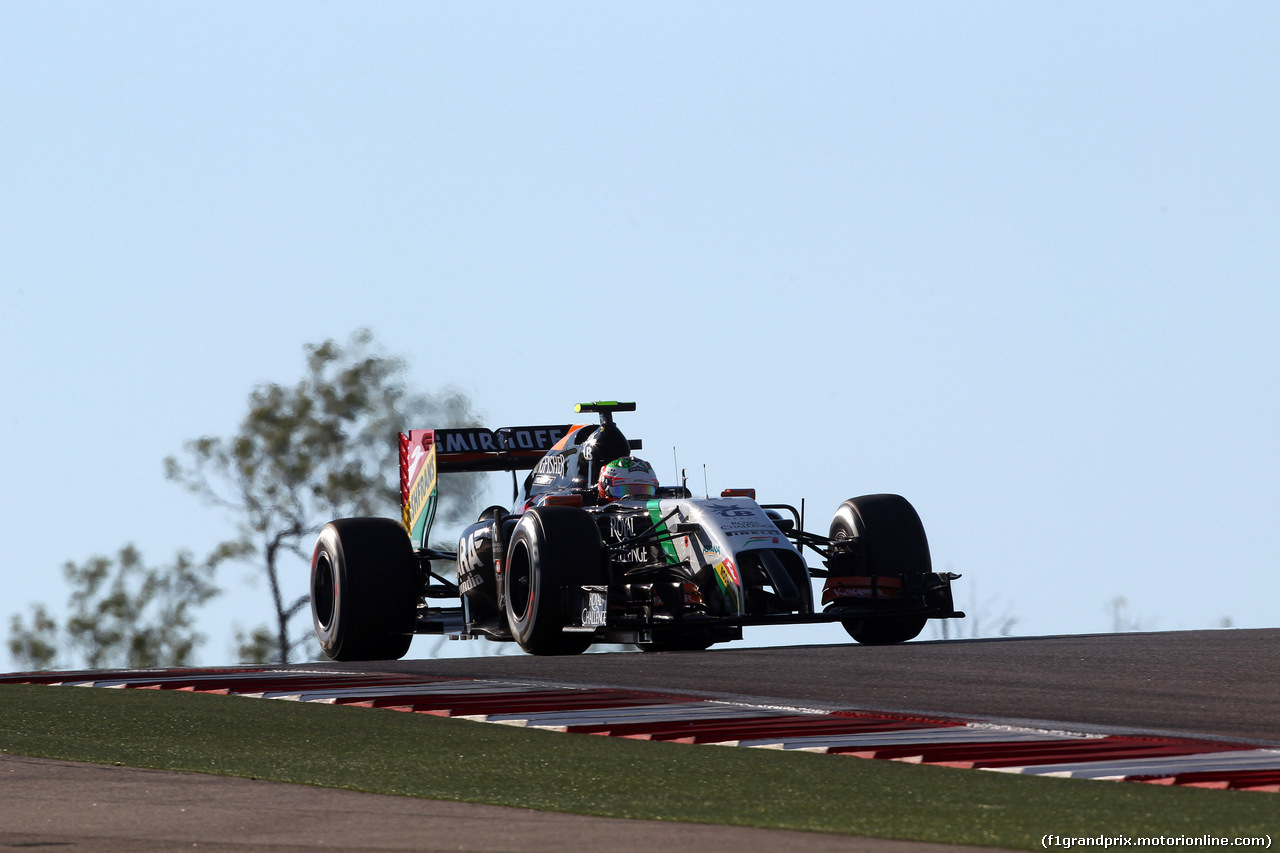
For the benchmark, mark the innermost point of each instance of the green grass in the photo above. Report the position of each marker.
(424, 756)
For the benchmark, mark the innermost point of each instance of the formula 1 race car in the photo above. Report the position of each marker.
(596, 551)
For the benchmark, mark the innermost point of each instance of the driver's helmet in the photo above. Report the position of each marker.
(627, 477)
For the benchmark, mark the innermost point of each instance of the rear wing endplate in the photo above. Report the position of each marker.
(427, 453)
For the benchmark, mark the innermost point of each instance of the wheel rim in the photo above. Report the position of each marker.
(519, 582)
(324, 591)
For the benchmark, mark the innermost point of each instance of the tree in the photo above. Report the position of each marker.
(1121, 621)
(324, 448)
(37, 647)
(123, 613)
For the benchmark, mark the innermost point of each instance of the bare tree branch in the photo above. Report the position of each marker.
(321, 449)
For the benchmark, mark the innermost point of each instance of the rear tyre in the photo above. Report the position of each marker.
(552, 548)
(364, 589)
(893, 543)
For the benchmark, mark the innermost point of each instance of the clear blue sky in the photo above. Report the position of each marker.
(1016, 261)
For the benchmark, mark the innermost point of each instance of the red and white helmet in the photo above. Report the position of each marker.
(627, 477)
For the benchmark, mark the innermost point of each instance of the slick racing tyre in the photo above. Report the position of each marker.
(885, 632)
(892, 543)
(364, 589)
(552, 548)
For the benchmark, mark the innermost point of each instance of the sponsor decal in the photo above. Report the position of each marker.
(624, 527)
(422, 494)
(730, 584)
(530, 438)
(474, 440)
(418, 454)
(731, 510)
(836, 589)
(632, 464)
(634, 556)
(552, 464)
(481, 440)
(550, 468)
(470, 563)
(593, 615)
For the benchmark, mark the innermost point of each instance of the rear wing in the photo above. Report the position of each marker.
(427, 453)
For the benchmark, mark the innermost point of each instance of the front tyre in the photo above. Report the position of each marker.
(552, 548)
(885, 632)
(364, 590)
(892, 543)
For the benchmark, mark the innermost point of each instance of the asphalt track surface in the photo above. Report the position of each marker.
(1217, 683)
(1221, 683)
